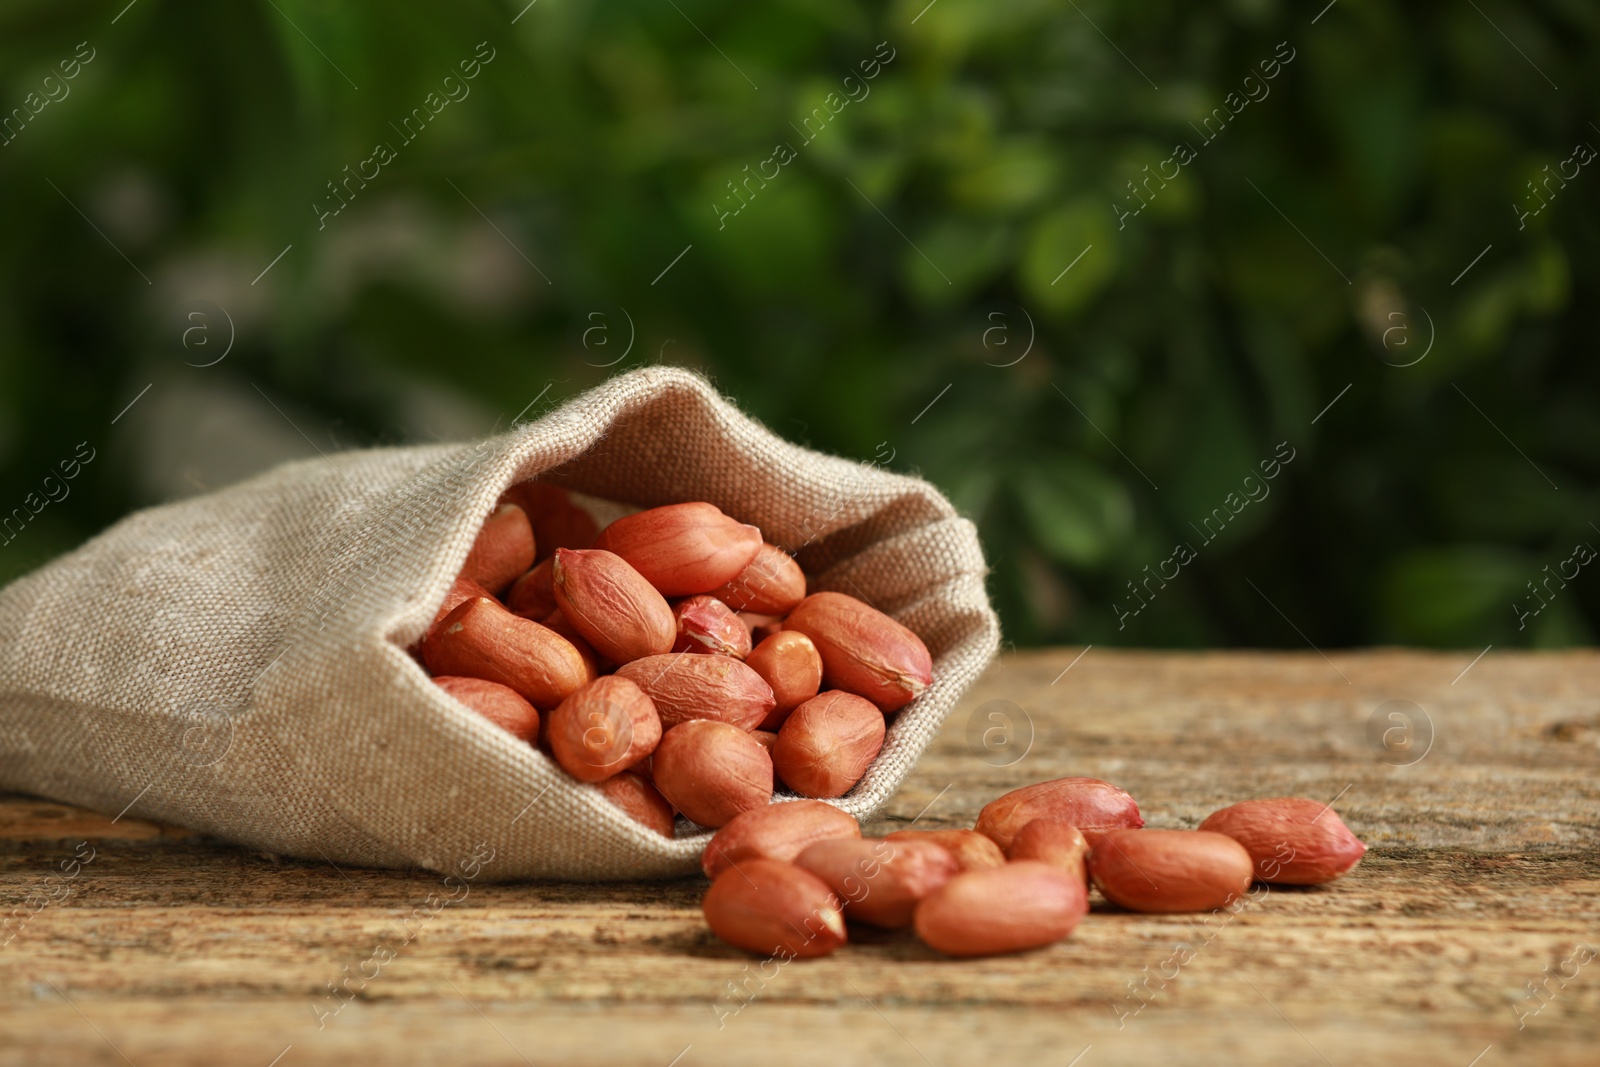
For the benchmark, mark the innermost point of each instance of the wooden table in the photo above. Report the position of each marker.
(1482, 878)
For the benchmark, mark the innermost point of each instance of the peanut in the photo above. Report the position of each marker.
(557, 522)
(864, 651)
(1169, 870)
(774, 908)
(499, 704)
(533, 596)
(461, 589)
(972, 851)
(707, 625)
(686, 686)
(776, 831)
(789, 663)
(769, 741)
(639, 800)
(827, 744)
(557, 621)
(611, 605)
(712, 771)
(503, 550)
(1292, 840)
(881, 882)
(772, 584)
(1091, 805)
(607, 726)
(481, 639)
(683, 549)
(1055, 843)
(1012, 908)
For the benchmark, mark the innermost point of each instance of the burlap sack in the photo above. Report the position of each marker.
(236, 663)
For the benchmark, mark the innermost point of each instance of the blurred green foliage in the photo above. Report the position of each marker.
(962, 221)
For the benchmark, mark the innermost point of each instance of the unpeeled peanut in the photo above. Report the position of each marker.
(1055, 843)
(1010, 908)
(641, 801)
(1093, 806)
(774, 908)
(712, 771)
(500, 704)
(557, 522)
(481, 639)
(776, 831)
(827, 744)
(972, 851)
(685, 686)
(705, 624)
(789, 663)
(864, 651)
(881, 882)
(607, 726)
(1292, 840)
(683, 549)
(772, 584)
(1169, 870)
(503, 550)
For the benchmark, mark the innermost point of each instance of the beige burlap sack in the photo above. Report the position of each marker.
(236, 663)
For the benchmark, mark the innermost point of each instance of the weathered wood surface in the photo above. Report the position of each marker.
(166, 948)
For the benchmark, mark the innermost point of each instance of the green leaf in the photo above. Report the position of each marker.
(1071, 255)
(1455, 596)
(1076, 512)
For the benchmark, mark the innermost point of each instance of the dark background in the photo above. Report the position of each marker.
(941, 278)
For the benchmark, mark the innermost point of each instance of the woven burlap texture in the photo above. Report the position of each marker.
(236, 663)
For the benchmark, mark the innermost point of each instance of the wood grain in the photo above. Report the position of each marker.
(1482, 878)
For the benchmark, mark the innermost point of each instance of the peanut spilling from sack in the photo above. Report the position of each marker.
(671, 659)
